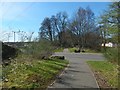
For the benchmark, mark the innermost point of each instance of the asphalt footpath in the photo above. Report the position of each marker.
(78, 74)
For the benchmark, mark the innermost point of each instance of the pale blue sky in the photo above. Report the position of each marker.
(28, 16)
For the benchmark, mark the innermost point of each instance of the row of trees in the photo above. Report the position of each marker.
(79, 31)
(82, 30)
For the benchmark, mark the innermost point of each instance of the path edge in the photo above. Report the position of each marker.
(62, 73)
(93, 75)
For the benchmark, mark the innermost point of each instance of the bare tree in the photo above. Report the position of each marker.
(78, 25)
(29, 37)
(83, 22)
(46, 30)
(53, 28)
(59, 28)
(59, 23)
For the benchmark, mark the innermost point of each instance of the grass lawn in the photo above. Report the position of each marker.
(106, 70)
(72, 49)
(86, 50)
(91, 51)
(32, 73)
(59, 50)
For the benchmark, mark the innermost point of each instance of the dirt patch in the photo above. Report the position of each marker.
(102, 82)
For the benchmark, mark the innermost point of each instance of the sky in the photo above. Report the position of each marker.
(28, 16)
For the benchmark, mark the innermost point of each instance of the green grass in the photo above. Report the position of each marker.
(91, 51)
(59, 50)
(33, 73)
(108, 70)
(86, 50)
(72, 49)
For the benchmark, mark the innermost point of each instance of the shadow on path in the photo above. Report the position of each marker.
(78, 74)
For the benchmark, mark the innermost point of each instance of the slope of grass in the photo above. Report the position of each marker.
(32, 73)
(109, 71)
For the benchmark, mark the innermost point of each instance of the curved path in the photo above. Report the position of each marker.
(78, 74)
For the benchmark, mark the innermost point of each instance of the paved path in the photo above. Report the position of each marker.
(78, 74)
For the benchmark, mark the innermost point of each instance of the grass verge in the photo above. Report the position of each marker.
(105, 73)
(31, 73)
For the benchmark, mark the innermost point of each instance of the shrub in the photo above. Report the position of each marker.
(112, 54)
(40, 50)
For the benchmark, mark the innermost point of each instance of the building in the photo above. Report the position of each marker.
(110, 44)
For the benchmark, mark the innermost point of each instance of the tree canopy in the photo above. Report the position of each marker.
(82, 30)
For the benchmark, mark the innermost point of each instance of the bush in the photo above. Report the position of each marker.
(8, 52)
(40, 50)
(112, 54)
